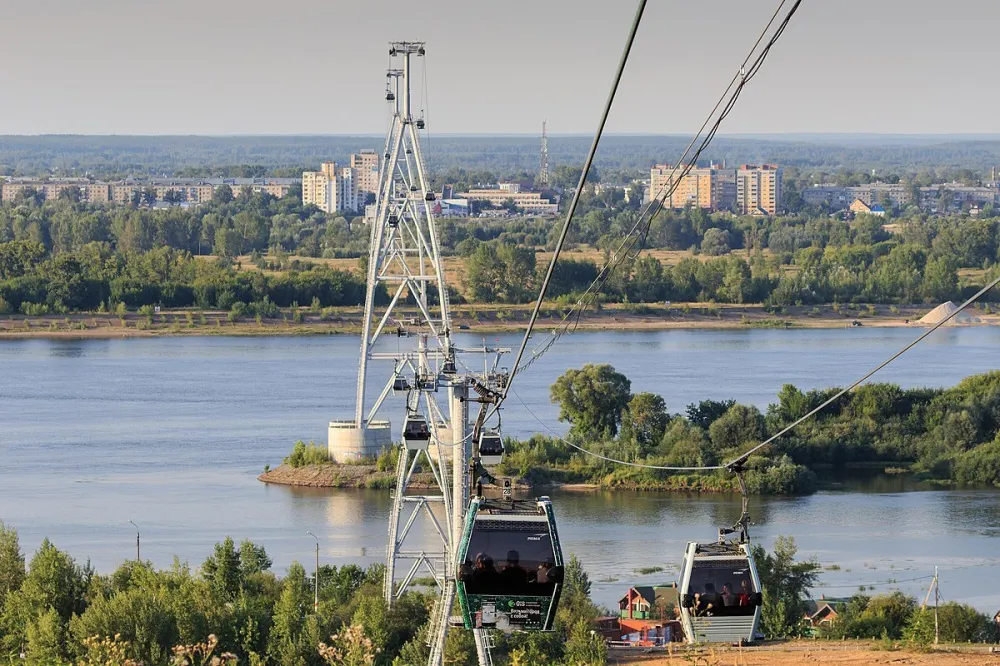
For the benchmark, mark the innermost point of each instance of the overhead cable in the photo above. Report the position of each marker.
(743, 457)
(637, 234)
(576, 195)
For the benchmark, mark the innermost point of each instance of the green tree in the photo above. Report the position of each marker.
(289, 642)
(785, 586)
(222, 570)
(715, 242)
(11, 562)
(739, 426)
(592, 400)
(45, 640)
(646, 418)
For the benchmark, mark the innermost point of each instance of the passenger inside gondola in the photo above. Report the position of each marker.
(528, 568)
(513, 575)
(705, 599)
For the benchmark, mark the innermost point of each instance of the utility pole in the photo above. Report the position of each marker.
(937, 635)
(137, 558)
(316, 578)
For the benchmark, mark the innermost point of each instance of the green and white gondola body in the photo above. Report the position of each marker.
(510, 566)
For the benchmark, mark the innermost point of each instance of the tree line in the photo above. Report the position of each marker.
(234, 609)
(788, 261)
(950, 434)
(97, 278)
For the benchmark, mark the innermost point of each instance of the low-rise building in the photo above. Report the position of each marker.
(956, 197)
(647, 616)
(499, 196)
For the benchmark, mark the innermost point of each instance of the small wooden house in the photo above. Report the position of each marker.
(648, 602)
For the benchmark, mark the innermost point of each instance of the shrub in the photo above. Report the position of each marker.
(957, 623)
(307, 454)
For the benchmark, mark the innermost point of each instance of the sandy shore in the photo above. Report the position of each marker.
(474, 319)
(796, 653)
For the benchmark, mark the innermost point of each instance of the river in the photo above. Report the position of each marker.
(171, 433)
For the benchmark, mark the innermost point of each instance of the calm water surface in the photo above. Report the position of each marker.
(171, 433)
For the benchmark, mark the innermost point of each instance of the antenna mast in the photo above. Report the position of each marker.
(543, 167)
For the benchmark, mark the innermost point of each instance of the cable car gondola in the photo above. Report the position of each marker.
(511, 570)
(416, 434)
(719, 585)
(490, 448)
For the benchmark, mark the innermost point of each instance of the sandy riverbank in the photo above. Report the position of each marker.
(474, 319)
(796, 653)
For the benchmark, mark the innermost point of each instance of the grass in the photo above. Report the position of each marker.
(770, 322)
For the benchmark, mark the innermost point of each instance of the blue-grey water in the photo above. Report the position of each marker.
(172, 432)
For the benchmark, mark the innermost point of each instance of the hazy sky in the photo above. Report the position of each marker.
(317, 66)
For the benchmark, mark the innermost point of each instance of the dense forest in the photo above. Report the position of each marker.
(120, 156)
(949, 435)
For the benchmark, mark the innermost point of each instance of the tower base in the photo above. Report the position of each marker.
(349, 443)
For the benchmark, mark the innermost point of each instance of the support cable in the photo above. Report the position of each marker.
(742, 458)
(739, 80)
(576, 195)
(638, 232)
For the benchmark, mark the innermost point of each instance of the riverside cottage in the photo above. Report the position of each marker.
(648, 617)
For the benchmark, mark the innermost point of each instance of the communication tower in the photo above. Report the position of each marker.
(543, 167)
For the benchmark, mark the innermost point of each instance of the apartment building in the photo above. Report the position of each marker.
(712, 188)
(758, 189)
(186, 190)
(332, 189)
(365, 165)
(528, 202)
(957, 198)
(51, 189)
(895, 195)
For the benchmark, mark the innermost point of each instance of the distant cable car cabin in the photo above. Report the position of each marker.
(490, 448)
(511, 571)
(400, 384)
(420, 123)
(720, 593)
(416, 434)
(430, 196)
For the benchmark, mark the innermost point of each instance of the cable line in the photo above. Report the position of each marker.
(641, 227)
(576, 197)
(742, 458)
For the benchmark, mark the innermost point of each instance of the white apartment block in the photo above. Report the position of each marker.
(758, 189)
(332, 189)
(365, 165)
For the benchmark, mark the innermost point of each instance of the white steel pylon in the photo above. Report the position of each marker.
(405, 270)
(404, 258)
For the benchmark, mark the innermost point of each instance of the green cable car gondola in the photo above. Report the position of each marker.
(510, 565)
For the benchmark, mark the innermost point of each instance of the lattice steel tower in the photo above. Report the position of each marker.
(543, 166)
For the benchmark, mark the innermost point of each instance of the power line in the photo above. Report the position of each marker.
(742, 458)
(639, 231)
(576, 196)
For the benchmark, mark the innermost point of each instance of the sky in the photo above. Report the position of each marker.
(318, 66)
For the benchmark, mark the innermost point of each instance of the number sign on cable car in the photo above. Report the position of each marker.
(511, 570)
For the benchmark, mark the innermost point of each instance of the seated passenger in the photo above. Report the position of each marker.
(513, 576)
(743, 598)
(728, 597)
(484, 576)
(710, 600)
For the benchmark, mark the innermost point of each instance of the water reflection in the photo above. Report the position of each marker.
(172, 433)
